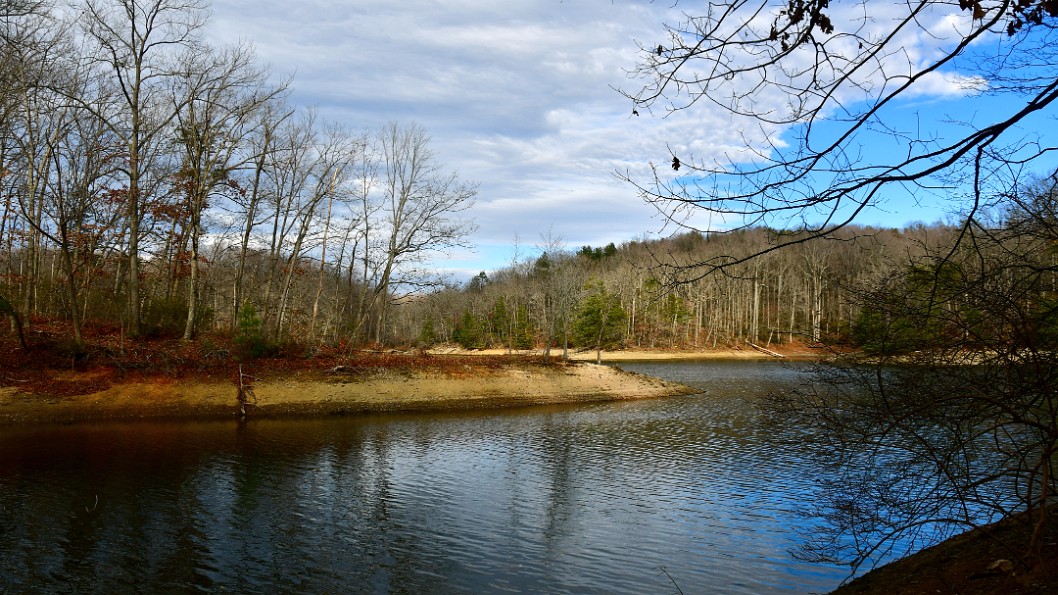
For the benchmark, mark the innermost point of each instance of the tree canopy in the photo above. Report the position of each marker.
(812, 87)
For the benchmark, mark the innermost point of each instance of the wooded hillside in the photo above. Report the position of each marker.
(652, 294)
(153, 185)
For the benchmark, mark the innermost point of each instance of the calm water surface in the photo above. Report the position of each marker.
(599, 498)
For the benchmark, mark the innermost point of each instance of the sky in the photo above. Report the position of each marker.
(518, 97)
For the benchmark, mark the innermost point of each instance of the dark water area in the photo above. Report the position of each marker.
(632, 497)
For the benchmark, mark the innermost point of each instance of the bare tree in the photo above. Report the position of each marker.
(363, 257)
(137, 43)
(948, 420)
(34, 120)
(216, 108)
(312, 167)
(56, 152)
(966, 435)
(825, 78)
(78, 218)
(422, 207)
(250, 205)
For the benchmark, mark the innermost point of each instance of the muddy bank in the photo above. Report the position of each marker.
(339, 391)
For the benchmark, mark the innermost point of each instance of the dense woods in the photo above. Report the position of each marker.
(651, 294)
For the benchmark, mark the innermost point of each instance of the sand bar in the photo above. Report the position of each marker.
(338, 392)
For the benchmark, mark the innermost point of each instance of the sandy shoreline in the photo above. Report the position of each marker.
(337, 392)
(767, 353)
(445, 379)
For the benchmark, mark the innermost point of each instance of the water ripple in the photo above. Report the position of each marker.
(594, 498)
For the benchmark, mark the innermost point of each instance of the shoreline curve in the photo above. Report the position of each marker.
(341, 392)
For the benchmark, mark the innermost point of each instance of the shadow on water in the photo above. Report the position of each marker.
(593, 498)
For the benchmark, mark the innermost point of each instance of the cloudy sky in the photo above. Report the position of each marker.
(517, 96)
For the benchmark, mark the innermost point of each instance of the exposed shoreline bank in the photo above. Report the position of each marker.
(34, 392)
(445, 378)
(627, 355)
(339, 391)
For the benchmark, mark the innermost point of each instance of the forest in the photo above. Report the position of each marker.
(326, 283)
(653, 294)
(155, 186)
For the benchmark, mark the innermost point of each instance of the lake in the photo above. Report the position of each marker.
(650, 496)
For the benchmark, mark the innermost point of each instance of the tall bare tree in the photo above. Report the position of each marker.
(363, 255)
(222, 91)
(308, 166)
(35, 123)
(422, 207)
(75, 216)
(250, 205)
(137, 48)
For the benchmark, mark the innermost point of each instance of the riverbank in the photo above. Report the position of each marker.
(985, 561)
(201, 380)
(405, 384)
(153, 378)
(796, 351)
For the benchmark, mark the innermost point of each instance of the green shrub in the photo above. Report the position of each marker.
(428, 334)
(469, 332)
(249, 337)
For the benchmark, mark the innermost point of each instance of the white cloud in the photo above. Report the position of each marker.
(516, 95)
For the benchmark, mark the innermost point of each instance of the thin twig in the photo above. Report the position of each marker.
(674, 583)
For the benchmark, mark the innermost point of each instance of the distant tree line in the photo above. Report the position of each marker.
(645, 294)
